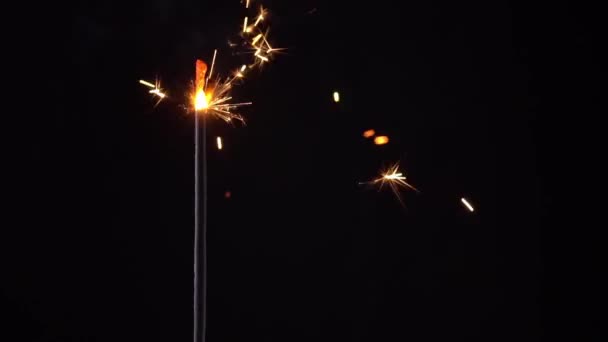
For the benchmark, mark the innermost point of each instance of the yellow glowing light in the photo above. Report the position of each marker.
(247, 4)
(219, 143)
(336, 97)
(201, 101)
(245, 28)
(243, 67)
(467, 204)
(369, 133)
(381, 140)
(214, 99)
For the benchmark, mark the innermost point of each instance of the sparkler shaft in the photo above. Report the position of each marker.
(205, 214)
(196, 231)
(197, 312)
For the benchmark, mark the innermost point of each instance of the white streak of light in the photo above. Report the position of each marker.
(219, 143)
(467, 204)
(336, 96)
(158, 93)
(211, 70)
(148, 84)
(260, 18)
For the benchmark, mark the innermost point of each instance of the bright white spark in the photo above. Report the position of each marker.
(467, 204)
(148, 84)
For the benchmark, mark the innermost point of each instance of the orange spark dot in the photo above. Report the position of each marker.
(369, 133)
(381, 140)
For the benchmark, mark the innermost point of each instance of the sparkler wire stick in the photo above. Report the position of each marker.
(205, 211)
(202, 331)
(203, 238)
(196, 230)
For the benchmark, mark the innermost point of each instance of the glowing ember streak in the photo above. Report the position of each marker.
(243, 67)
(247, 4)
(268, 44)
(467, 204)
(211, 71)
(369, 133)
(148, 84)
(336, 97)
(381, 140)
(158, 93)
(245, 28)
(260, 18)
(155, 89)
(256, 39)
(263, 58)
(219, 143)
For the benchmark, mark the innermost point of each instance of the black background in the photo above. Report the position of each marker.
(492, 102)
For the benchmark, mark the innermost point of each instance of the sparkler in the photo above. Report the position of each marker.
(394, 179)
(212, 97)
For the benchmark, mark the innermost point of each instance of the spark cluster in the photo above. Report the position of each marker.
(213, 95)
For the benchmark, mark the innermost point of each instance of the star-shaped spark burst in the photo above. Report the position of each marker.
(394, 179)
(155, 89)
